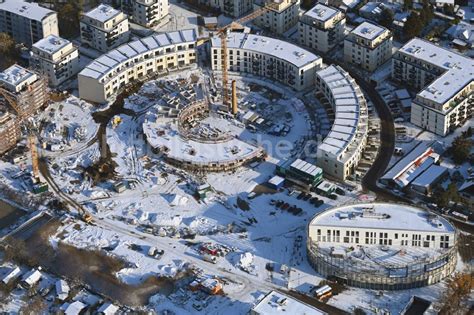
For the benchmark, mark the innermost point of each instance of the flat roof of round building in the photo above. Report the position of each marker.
(384, 216)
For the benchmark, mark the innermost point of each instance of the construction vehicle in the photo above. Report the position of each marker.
(209, 258)
(86, 217)
(38, 185)
(116, 121)
(222, 33)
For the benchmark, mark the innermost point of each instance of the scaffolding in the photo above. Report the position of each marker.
(24, 105)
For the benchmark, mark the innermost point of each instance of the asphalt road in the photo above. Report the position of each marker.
(387, 137)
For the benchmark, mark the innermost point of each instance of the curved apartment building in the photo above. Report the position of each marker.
(103, 78)
(267, 57)
(341, 151)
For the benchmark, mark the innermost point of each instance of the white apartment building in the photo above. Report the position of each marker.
(28, 89)
(368, 46)
(27, 22)
(267, 57)
(446, 81)
(280, 16)
(55, 58)
(146, 12)
(104, 28)
(107, 75)
(233, 8)
(340, 152)
(382, 246)
(321, 28)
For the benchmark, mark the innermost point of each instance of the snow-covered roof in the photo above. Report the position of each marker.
(16, 76)
(51, 44)
(29, 10)
(102, 13)
(306, 167)
(278, 303)
(112, 60)
(321, 12)
(430, 175)
(108, 309)
(384, 216)
(459, 70)
(369, 31)
(371, 8)
(408, 160)
(10, 275)
(210, 20)
(414, 171)
(351, 3)
(326, 186)
(62, 289)
(268, 46)
(348, 103)
(276, 180)
(32, 277)
(462, 31)
(75, 308)
(402, 94)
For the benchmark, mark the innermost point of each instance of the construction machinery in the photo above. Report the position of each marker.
(222, 33)
(87, 218)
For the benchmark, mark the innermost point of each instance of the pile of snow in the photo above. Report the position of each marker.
(142, 215)
(177, 200)
(246, 262)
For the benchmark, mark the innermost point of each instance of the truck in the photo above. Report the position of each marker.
(209, 258)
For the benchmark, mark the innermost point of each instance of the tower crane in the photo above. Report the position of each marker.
(223, 32)
(32, 142)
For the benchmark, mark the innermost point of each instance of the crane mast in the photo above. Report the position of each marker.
(223, 32)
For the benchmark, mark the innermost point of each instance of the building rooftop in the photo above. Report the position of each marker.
(268, 46)
(278, 303)
(369, 31)
(459, 70)
(103, 13)
(110, 61)
(347, 101)
(51, 44)
(321, 12)
(28, 10)
(420, 151)
(430, 175)
(16, 75)
(305, 167)
(382, 216)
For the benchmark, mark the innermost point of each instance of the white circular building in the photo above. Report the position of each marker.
(381, 246)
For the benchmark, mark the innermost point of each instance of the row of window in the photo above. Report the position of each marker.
(382, 238)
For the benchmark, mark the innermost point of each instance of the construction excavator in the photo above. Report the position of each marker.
(222, 33)
(39, 185)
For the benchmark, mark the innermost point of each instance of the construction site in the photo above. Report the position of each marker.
(180, 177)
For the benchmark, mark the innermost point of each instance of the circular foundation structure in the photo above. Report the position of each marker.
(381, 246)
(185, 142)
